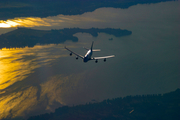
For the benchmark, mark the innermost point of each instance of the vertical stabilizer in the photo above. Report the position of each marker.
(92, 45)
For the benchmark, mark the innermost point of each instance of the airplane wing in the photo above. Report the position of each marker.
(97, 58)
(74, 53)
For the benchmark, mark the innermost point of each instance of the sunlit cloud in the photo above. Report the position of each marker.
(5, 25)
(23, 22)
(54, 90)
(49, 21)
(17, 64)
(18, 102)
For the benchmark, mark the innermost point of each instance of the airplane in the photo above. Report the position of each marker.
(88, 55)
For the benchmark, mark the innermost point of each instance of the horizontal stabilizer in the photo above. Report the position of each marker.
(104, 57)
(96, 50)
(92, 49)
(86, 48)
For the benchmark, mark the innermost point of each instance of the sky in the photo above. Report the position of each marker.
(44, 77)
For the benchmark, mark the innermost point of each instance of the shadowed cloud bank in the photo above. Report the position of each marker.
(22, 37)
(149, 107)
(44, 8)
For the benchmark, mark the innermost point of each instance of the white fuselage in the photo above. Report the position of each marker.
(88, 55)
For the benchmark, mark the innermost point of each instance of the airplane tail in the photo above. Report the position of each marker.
(92, 45)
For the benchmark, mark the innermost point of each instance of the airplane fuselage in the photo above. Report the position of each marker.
(88, 55)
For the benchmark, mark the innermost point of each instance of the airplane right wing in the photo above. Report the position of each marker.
(74, 53)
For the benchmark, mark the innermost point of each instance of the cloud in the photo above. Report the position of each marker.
(17, 64)
(49, 21)
(146, 63)
(23, 22)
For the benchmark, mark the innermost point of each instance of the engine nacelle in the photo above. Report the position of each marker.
(70, 54)
(96, 61)
(76, 57)
(104, 59)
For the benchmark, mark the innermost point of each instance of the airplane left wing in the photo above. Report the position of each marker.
(74, 53)
(104, 57)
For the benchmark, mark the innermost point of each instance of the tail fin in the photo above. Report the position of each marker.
(92, 45)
